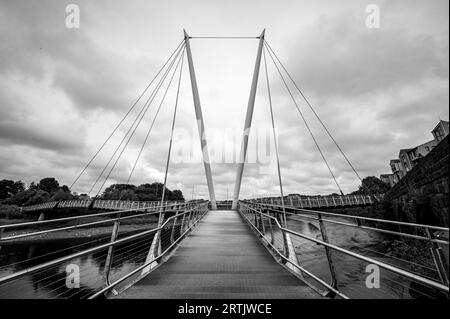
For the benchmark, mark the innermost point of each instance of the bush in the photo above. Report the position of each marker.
(10, 212)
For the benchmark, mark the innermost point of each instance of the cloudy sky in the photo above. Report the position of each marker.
(62, 91)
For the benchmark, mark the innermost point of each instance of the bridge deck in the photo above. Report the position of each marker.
(221, 258)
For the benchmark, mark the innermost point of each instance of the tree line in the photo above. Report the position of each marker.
(48, 189)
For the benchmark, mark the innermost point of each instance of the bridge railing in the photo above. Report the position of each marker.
(73, 222)
(322, 201)
(121, 254)
(314, 249)
(96, 204)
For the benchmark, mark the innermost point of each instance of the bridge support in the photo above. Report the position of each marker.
(109, 257)
(200, 123)
(248, 123)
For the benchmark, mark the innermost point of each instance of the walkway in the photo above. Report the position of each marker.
(221, 258)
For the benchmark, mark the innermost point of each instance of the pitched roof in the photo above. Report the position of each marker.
(439, 123)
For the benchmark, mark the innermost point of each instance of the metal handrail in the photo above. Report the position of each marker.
(90, 215)
(74, 226)
(396, 270)
(295, 265)
(387, 221)
(358, 225)
(94, 249)
(146, 264)
(83, 203)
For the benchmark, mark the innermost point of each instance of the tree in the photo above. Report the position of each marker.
(33, 186)
(9, 188)
(372, 185)
(65, 189)
(61, 195)
(115, 190)
(38, 197)
(28, 197)
(49, 185)
(144, 192)
(177, 195)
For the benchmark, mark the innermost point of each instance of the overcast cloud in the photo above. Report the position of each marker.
(62, 91)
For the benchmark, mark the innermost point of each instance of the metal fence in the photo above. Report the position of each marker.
(104, 264)
(96, 204)
(313, 245)
(321, 201)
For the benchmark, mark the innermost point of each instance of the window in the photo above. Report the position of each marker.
(439, 134)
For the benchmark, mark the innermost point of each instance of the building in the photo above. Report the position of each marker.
(421, 151)
(440, 131)
(396, 169)
(409, 157)
(405, 162)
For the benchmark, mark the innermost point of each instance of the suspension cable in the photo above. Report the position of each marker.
(274, 138)
(226, 37)
(144, 109)
(316, 115)
(306, 124)
(171, 132)
(123, 149)
(150, 129)
(124, 117)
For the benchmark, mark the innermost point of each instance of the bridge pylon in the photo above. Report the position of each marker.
(200, 123)
(248, 123)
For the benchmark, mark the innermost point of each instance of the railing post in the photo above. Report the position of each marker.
(439, 259)
(323, 231)
(109, 256)
(189, 220)
(263, 228)
(1, 234)
(155, 247)
(172, 234)
(272, 235)
(182, 227)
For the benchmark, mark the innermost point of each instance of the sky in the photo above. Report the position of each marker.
(63, 90)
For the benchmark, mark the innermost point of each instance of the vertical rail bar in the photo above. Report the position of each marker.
(323, 231)
(109, 257)
(436, 252)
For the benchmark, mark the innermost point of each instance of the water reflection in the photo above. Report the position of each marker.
(50, 282)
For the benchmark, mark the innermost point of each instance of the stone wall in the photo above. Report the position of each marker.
(422, 196)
